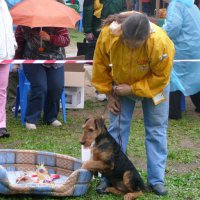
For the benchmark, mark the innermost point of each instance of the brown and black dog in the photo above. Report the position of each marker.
(108, 159)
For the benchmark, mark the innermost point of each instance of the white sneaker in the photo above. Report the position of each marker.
(13, 109)
(56, 123)
(101, 97)
(30, 126)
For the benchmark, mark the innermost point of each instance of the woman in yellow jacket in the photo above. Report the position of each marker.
(133, 61)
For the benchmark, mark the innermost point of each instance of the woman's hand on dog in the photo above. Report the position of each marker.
(113, 103)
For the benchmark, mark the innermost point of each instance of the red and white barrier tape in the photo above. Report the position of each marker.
(194, 60)
(66, 61)
(45, 61)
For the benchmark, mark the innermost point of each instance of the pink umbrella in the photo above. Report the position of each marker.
(44, 13)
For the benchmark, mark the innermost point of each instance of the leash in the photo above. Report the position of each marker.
(104, 110)
(119, 121)
(119, 132)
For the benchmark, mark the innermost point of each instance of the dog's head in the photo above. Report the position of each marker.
(92, 128)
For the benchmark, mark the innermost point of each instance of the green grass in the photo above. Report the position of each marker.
(183, 171)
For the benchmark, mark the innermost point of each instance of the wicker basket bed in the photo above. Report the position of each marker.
(73, 181)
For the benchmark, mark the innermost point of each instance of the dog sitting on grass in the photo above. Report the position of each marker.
(108, 159)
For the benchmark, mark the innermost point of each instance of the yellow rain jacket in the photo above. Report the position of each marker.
(147, 69)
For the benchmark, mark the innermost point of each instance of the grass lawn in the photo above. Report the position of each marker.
(183, 169)
(75, 36)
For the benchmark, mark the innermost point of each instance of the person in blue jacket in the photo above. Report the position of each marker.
(182, 26)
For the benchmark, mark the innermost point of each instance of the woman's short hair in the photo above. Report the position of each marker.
(136, 26)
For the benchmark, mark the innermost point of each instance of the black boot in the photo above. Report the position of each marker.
(196, 101)
(4, 133)
(104, 183)
(175, 105)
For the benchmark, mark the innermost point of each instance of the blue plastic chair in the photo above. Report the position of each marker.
(22, 95)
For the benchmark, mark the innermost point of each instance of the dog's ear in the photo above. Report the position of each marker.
(83, 126)
(87, 120)
(99, 123)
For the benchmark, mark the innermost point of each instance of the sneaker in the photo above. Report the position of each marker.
(100, 97)
(56, 123)
(4, 133)
(159, 189)
(13, 109)
(30, 126)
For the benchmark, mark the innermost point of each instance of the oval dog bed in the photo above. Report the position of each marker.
(72, 181)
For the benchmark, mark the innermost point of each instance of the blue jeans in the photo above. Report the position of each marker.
(156, 123)
(46, 89)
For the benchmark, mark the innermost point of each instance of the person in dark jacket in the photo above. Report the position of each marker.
(94, 11)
